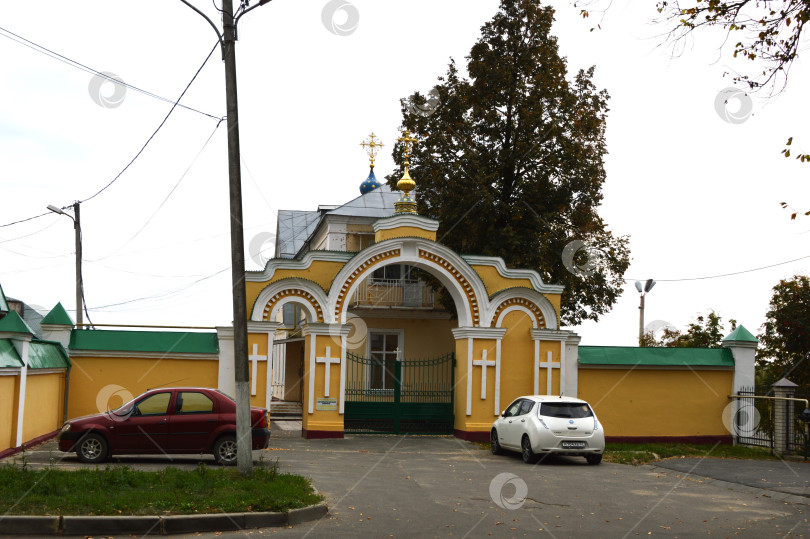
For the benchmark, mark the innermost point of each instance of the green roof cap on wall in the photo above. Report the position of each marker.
(47, 355)
(8, 355)
(12, 323)
(740, 334)
(144, 341)
(3, 302)
(59, 316)
(660, 357)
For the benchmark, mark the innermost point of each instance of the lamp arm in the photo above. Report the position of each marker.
(260, 4)
(219, 36)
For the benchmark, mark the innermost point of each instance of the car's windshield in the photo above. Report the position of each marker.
(568, 410)
(126, 409)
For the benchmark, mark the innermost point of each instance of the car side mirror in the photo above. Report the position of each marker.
(503, 414)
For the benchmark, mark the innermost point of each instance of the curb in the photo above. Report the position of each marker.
(739, 487)
(156, 525)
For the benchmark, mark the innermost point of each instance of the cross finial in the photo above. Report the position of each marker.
(408, 141)
(406, 203)
(372, 146)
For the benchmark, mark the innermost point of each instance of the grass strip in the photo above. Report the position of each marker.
(120, 490)
(637, 454)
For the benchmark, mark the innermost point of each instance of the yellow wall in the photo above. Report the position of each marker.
(422, 339)
(495, 282)
(647, 402)
(517, 359)
(404, 231)
(90, 376)
(322, 420)
(8, 411)
(44, 398)
(320, 271)
(483, 411)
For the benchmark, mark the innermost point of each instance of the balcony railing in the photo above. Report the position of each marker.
(406, 293)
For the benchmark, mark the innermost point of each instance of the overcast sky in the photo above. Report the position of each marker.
(698, 195)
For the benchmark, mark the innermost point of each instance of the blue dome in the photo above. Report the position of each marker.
(370, 184)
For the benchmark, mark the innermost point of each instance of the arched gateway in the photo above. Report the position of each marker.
(355, 311)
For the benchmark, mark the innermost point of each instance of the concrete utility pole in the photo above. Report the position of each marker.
(77, 227)
(244, 437)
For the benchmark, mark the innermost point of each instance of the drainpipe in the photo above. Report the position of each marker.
(67, 391)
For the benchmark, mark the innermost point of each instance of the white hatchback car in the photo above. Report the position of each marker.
(539, 425)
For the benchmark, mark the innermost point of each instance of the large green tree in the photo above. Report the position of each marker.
(785, 337)
(511, 160)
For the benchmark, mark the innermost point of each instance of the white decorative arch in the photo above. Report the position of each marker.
(288, 290)
(456, 275)
(530, 298)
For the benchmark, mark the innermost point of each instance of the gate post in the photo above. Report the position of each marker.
(783, 415)
(324, 387)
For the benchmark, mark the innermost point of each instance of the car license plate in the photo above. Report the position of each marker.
(573, 445)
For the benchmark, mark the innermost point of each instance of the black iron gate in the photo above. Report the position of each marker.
(413, 396)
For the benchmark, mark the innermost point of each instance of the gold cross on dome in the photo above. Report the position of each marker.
(372, 146)
(408, 141)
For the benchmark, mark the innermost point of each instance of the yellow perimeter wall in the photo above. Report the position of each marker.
(106, 382)
(8, 411)
(647, 402)
(44, 401)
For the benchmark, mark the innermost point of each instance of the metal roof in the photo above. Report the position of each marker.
(377, 203)
(293, 230)
(295, 227)
(47, 355)
(3, 303)
(178, 342)
(8, 355)
(660, 357)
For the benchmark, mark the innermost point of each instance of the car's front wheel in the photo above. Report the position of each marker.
(92, 448)
(494, 446)
(526, 452)
(594, 459)
(225, 450)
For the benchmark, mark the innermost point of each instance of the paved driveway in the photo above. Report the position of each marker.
(404, 486)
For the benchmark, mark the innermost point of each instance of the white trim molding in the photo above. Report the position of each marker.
(451, 274)
(481, 333)
(288, 283)
(546, 308)
(509, 273)
(295, 264)
(564, 364)
(340, 331)
(415, 221)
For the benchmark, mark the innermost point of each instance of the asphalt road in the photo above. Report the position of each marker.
(405, 486)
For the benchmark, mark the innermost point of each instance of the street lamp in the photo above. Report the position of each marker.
(78, 228)
(643, 290)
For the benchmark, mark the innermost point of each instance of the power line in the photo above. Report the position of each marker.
(158, 127)
(174, 106)
(73, 63)
(725, 274)
(176, 185)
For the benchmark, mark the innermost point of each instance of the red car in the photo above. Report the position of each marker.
(164, 421)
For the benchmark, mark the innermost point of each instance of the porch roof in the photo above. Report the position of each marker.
(659, 357)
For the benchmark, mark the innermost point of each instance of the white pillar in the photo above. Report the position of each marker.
(226, 381)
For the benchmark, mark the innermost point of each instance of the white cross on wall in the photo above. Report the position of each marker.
(483, 363)
(549, 365)
(328, 361)
(254, 358)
